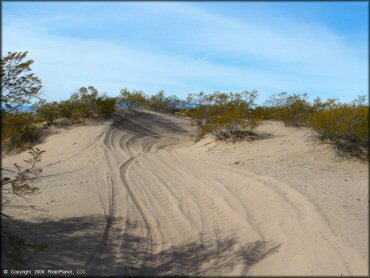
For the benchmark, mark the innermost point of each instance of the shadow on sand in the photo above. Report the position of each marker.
(70, 244)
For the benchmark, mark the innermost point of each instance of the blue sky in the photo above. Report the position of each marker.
(316, 47)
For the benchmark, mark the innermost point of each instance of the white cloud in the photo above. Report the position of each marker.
(298, 58)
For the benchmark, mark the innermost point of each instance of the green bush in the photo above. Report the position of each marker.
(67, 108)
(85, 101)
(344, 127)
(106, 106)
(292, 110)
(18, 85)
(47, 111)
(18, 131)
(262, 113)
(134, 99)
(159, 102)
(227, 116)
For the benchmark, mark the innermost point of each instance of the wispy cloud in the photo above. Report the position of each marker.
(181, 47)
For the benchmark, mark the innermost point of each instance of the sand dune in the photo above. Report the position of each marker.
(138, 197)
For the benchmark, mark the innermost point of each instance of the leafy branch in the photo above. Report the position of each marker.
(20, 183)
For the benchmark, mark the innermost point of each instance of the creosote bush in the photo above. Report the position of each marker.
(133, 100)
(67, 108)
(226, 115)
(157, 102)
(105, 106)
(19, 131)
(87, 103)
(47, 111)
(345, 127)
(292, 110)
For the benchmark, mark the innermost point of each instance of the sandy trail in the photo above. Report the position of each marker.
(212, 220)
(172, 208)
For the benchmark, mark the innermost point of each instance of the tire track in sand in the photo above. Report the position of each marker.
(169, 212)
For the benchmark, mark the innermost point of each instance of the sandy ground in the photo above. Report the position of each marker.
(138, 197)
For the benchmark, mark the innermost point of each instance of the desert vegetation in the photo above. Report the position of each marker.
(234, 116)
(21, 178)
(157, 102)
(20, 130)
(18, 87)
(228, 116)
(133, 100)
(293, 110)
(342, 125)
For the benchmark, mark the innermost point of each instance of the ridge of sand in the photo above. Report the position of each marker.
(139, 197)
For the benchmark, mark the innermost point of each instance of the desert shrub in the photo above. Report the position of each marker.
(106, 106)
(85, 101)
(75, 108)
(159, 102)
(345, 127)
(330, 103)
(88, 101)
(67, 108)
(227, 115)
(172, 104)
(18, 86)
(293, 110)
(48, 111)
(262, 113)
(132, 100)
(18, 131)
